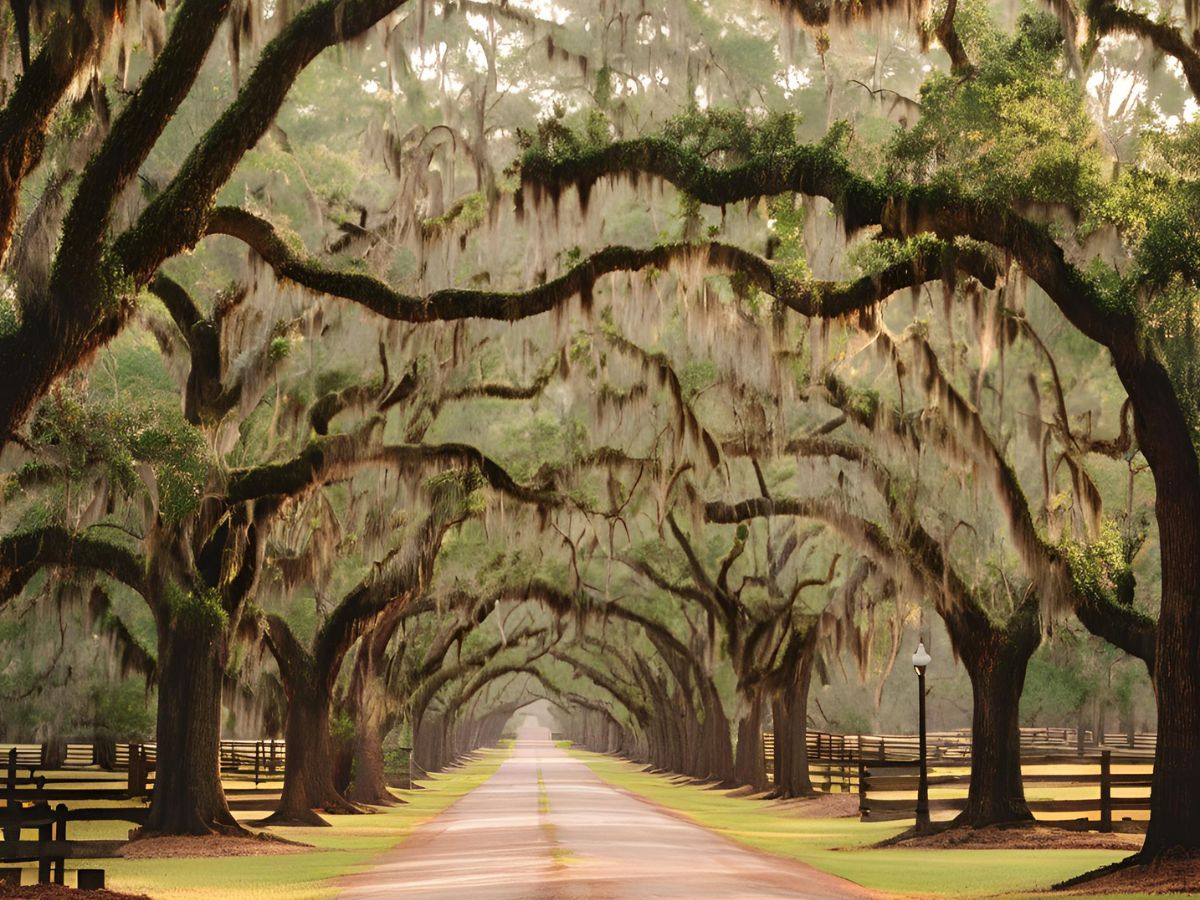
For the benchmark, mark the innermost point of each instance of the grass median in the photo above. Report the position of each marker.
(350, 845)
(842, 846)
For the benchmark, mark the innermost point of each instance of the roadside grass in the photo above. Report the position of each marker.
(350, 845)
(841, 846)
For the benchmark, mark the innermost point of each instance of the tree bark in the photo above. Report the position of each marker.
(1165, 437)
(792, 777)
(717, 735)
(308, 777)
(1175, 793)
(996, 660)
(188, 797)
(750, 765)
(369, 703)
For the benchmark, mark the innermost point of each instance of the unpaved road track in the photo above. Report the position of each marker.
(544, 827)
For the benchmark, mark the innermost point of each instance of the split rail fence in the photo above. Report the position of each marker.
(81, 773)
(1067, 777)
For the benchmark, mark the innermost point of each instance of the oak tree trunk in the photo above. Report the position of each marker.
(792, 778)
(370, 778)
(1175, 792)
(750, 765)
(308, 777)
(717, 736)
(188, 797)
(996, 660)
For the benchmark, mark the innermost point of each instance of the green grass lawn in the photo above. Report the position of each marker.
(840, 846)
(349, 846)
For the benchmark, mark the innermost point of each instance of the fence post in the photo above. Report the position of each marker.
(137, 773)
(13, 832)
(863, 810)
(44, 835)
(60, 834)
(258, 752)
(1106, 790)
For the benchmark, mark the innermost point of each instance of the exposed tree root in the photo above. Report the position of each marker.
(382, 797)
(225, 826)
(293, 819)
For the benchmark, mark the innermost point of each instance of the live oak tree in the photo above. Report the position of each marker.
(1131, 308)
(996, 167)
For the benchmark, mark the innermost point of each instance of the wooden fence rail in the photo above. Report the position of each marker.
(259, 760)
(883, 770)
(26, 808)
(33, 779)
(956, 745)
(879, 781)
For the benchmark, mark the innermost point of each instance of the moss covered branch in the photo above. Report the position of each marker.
(175, 218)
(56, 546)
(132, 136)
(819, 170)
(1107, 18)
(808, 297)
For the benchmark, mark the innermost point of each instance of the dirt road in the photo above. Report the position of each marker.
(544, 827)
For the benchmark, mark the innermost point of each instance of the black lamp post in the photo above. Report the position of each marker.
(920, 660)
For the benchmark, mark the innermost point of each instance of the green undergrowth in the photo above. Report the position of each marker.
(841, 846)
(349, 846)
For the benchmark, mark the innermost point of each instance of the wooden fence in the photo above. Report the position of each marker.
(256, 760)
(887, 788)
(882, 769)
(952, 745)
(33, 778)
(26, 807)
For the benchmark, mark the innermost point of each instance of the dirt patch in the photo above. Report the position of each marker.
(211, 845)
(1020, 837)
(822, 806)
(59, 892)
(1170, 875)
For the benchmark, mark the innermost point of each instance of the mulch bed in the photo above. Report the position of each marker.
(212, 845)
(59, 892)
(1018, 837)
(1169, 875)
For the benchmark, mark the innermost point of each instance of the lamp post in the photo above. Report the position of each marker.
(920, 660)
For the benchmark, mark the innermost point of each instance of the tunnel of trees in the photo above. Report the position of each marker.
(372, 369)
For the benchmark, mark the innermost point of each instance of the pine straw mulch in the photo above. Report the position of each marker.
(1172, 874)
(210, 845)
(59, 892)
(1016, 837)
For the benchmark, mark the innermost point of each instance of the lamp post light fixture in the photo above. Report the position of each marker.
(920, 660)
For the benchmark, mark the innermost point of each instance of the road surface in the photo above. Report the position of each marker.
(545, 827)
